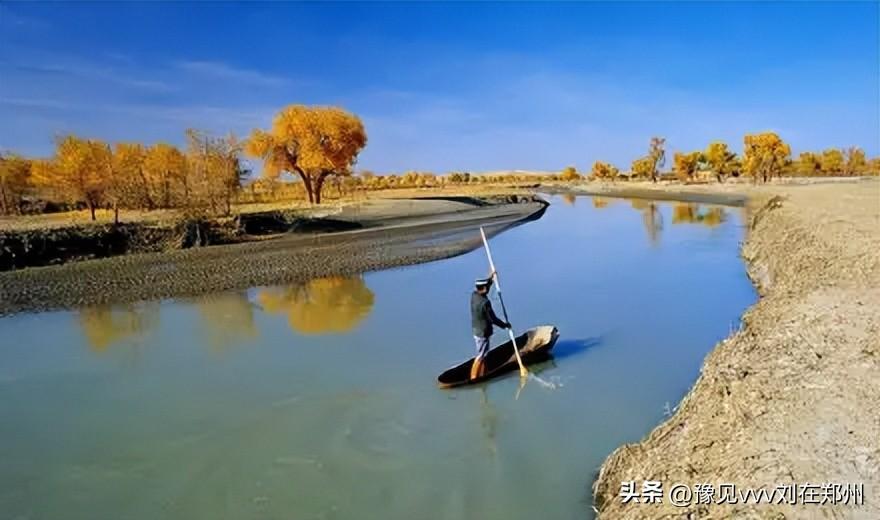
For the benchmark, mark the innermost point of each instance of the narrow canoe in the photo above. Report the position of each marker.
(534, 345)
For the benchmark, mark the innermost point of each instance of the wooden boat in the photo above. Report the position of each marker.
(534, 345)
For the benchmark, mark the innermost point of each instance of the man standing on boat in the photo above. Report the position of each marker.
(482, 319)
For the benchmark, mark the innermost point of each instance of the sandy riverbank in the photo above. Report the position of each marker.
(792, 397)
(391, 233)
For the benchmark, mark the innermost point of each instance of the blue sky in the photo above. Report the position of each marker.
(449, 86)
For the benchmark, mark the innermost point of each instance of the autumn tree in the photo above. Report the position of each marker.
(569, 174)
(312, 142)
(657, 156)
(720, 160)
(165, 167)
(214, 169)
(686, 164)
(855, 162)
(764, 155)
(77, 172)
(132, 183)
(642, 168)
(603, 170)
(832, 161)
(809, 164)
(15, 173)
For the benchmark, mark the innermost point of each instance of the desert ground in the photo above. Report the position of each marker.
(790, 398)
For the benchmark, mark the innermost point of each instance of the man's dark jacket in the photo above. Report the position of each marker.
(482, 316)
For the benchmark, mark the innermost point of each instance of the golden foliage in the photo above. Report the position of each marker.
(79, 171)
(166, 170)
(15, 172)
(642, 168)
(832, 161)
(323, 305)
(603, 170)
(313, 142)
(129, 185)
(855, 162)
(809, 163)
(687, 164)
(720, 160)
(569, 174)
(764, 155)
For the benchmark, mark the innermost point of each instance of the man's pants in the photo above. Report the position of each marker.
(482, 347)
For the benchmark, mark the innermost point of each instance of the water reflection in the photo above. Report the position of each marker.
(569, 198)
(322, 306)
(227, 319)
(106, 325)
(652, 219)
(599, 202)
(682, 213)
(691, 213)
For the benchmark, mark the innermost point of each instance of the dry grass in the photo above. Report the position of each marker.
(82, 218)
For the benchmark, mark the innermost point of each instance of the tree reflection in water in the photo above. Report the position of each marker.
(652, 219)
(227, 318)
(106, 325)
(329, 305)
(569, 198)
(691, 213)
(599, 202)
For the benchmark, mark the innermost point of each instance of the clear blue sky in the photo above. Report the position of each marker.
(449, 86)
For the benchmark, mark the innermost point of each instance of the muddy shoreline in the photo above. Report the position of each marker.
(791, 398)
(387, 234)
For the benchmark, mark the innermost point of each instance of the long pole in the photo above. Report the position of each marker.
(522, 368)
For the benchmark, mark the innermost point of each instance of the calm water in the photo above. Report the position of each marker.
(320, 401)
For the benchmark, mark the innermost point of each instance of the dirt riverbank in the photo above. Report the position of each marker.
(793, 396)
(388, 233)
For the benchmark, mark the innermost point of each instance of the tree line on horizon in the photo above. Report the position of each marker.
(317, 147)
(765, 156)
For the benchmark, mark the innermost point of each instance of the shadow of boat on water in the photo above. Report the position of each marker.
(574, 347)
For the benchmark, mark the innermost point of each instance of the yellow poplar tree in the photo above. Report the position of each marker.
(855, 162)
(832, 161)
(128, 168)
(77, 172)
(166, 170)
(312, 142)
(657, 156)
(14, 177)
(809, 164)
(603, 170)
(642, 168)
(569, 174)
(720, 160)
(764, 155)
(686, 164)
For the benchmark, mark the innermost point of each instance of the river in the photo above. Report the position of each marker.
(319, 401)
